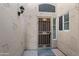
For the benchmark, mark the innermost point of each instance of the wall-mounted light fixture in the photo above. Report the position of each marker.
(21, 10)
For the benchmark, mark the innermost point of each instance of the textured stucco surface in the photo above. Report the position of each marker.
(68, 41)
(21, 32)
(11, 34)
(31, 24)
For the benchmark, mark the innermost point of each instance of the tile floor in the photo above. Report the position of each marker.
(57, 52)
(43, 52)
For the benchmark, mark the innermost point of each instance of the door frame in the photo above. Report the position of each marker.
(50, 27)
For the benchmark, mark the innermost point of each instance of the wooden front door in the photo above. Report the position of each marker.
(44, 32)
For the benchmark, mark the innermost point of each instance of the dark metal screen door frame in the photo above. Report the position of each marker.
(44, 32)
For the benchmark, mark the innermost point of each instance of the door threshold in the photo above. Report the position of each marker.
(44, 48)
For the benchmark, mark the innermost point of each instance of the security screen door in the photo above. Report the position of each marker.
(44, 32)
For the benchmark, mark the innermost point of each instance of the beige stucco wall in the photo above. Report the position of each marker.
(68, 41)
(20, 32)
(31, 16)
(11, 32)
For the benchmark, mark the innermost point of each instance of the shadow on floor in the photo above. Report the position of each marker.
(45, 52)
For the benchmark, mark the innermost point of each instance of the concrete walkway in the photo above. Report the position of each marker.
(30, 53)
